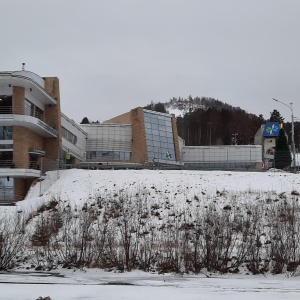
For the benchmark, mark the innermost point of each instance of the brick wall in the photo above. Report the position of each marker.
(21, 187)
(18, 100)
(121, 119)
(139, 144)
(175, 138)
(53, 117)
(23, 140)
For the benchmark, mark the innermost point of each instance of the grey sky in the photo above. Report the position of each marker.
(114, 55)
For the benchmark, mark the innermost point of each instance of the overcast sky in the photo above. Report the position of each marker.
(114, 55)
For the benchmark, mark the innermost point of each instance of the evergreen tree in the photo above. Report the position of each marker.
(159, 107)
(283, 156)
(276, 116)
(85, 120)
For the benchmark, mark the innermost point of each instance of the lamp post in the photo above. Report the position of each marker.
(293, 132)
(210, 124)
(234, 139)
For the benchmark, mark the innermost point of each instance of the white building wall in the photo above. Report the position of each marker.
(222, 154)
(36, 78)
(79, 149)
(29, 96)
(108, 137)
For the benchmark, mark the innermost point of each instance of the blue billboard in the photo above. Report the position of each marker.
(271, 129)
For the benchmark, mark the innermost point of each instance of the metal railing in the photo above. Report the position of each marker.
(19, 164)
(17, 110)
(8, 197)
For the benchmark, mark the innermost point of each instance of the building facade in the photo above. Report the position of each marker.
(30, 126)
(35, 137)
(140, 136)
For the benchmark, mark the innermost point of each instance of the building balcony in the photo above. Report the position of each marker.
(10, 168)
(33, 120)
(31, 82)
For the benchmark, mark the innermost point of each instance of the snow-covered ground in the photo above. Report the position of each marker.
(76, 187)
(96, 284)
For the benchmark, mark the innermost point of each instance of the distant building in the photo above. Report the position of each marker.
(266, 137)
(140, 136)
(33, 131)
(35, 137)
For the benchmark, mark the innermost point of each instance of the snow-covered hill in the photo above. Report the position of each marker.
(180, 221)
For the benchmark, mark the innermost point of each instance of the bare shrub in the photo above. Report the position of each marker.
(12, 240)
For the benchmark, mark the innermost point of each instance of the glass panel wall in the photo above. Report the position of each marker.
(108, 155)
(159, 137)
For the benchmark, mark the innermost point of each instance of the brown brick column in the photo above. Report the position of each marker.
(21, 187)
(18, 100)
(53, 117)
(23, 140)
(139, 144)
(175, 138)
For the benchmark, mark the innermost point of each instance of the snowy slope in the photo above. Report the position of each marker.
(77, 186)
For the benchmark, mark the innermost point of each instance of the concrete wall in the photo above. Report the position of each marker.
(223, 154)
(78, 150)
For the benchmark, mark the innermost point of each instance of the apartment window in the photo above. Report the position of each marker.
(4, 147)
(5, 104)
(33, 110)
(69, 136)
(6, 189)
(6, 133)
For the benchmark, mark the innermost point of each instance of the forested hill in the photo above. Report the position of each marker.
(205, 121)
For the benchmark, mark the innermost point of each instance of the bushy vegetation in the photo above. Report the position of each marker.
(135, 231)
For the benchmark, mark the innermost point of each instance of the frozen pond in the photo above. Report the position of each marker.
(143, 286)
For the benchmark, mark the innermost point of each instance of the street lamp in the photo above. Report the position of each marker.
(234, 139)
(293, 132)
(210, 124)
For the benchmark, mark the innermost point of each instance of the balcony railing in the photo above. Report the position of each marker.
(17, 110)
(10, 164)
(7, 196)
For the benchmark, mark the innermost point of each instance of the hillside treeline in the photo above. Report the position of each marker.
(207, 121)
(218, 127)
(128, 231)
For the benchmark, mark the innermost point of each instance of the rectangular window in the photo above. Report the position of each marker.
(69, 136)
(6, 133)
(33, 110)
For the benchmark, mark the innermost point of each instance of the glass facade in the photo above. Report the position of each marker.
(108, 155)
(159, 136)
